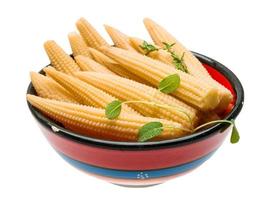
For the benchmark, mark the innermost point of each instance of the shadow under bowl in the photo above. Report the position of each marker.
(137, 164)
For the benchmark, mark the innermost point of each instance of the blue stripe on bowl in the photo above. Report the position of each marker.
(132, 174)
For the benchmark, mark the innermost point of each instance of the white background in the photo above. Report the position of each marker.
(232, 32)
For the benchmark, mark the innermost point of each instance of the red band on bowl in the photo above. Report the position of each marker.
(134, 160)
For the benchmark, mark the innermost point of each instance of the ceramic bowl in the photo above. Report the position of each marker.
(143, 164)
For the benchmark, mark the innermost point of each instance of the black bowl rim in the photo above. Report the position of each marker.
(200, 135)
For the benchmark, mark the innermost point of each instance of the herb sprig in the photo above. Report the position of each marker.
(113, 109)
(148, 48)
(168, 47)
(151, 132)
(153, 129)
(177, 60)
(235, 137)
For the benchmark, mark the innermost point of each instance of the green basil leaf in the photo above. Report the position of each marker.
(169, 84)
(149, 131)
(235, 137)
(113, 109)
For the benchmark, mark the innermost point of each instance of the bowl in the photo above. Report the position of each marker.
(136, 164)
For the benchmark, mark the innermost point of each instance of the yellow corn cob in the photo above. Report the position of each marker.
(79, 47)
(119, 39)
(59, 59)
(160, 55)
(89, 34)
(87, 64)
(113, 66)
(129, 90)
(85, 93)
(225, 95)
(195, 67)
(92, 122)
(160, 35)
(191, 90)
(50, 89)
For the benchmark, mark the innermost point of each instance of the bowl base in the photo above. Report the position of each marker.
(136, 186)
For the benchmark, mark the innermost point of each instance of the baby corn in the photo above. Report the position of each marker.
(129, 90)
(48, 88)
(89, 34)
(133, 91)
(59, 59)
(160, 35)
(195, 67)
(79, 47)
(92, 122)
(113, 66)
(191, 90)
(87, 64)
(207, 117)
(85, 93)
(119, 39)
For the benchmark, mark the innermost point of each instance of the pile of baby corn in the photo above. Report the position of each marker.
(75, 91)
